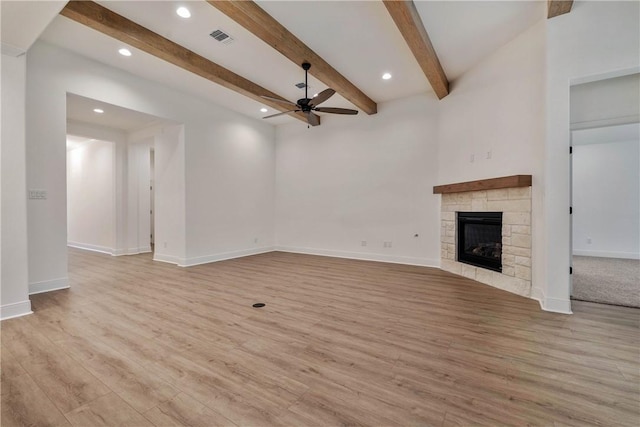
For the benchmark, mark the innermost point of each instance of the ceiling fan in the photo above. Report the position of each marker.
(308, 105)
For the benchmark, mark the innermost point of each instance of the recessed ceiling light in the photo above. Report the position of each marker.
(386, 76)
(98, 110)
(183, 12)
(264, 110)
(124, 52)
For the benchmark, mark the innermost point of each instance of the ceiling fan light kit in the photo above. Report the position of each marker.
(309, 105)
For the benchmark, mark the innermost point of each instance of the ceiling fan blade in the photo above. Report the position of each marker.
(322, 96)
(282, 101)
(336, 110)
(280, 114)
(312, 119)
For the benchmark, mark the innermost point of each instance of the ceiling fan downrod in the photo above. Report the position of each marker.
(305, 67)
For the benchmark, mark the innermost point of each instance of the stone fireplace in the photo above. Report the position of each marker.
(510, 199)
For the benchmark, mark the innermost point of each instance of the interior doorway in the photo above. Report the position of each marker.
(605, 191)
(110, 177)
(152, 198)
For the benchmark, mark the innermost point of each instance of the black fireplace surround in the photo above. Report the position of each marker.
(480, 239)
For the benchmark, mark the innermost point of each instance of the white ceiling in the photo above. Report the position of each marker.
(23, 21)
(358, 38)
(81, 109)
(605, 135)
(465, 32)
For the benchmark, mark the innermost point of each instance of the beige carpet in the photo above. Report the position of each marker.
(606, 280)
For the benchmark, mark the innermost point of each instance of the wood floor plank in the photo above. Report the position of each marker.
(25, 404)
(59, 323)
(26, 342)
(339, 342)
(9, 365)
(67, 384)
(183, 410)
(108, 410)
(138, 387)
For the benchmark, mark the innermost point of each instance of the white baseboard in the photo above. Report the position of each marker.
(16, 309)
(132, 251)
(169, 259)
(537, 294)
(223, 256)
(110, 251)
(608, 254)
(554, 305)
(142, 250)
(89, 247)
(394, 259)
(309, 251)
(48, 285)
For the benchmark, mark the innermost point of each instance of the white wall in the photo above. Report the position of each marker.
(53, 72)
(606, 199)
(91, 194)
(497, 107)
(595, 40)
(14, 299)
(170, 216)
(361, 178)
(606, 102)
(46, 169)
(230, 185)
(496, 110)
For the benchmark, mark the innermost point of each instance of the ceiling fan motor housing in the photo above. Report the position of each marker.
(303, 103)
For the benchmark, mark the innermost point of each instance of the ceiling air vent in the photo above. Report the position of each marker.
(221, 36)
(300, 85)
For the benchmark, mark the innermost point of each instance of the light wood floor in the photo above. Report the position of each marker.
(340, 342)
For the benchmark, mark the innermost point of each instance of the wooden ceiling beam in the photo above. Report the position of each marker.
(110, 23)
(254, 19)
(558, 7)
(408, 21)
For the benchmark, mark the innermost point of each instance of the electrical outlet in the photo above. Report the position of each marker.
(255, 240)
(386, 245)
(588, 240)
(363, 243)
(472, 158)
(489, 154)
(38, 194)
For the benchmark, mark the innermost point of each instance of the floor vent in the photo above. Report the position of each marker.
(221, 36)
(258, 305)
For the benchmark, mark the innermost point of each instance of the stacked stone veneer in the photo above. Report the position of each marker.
(515, 205)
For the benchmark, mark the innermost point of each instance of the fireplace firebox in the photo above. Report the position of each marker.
(480, 239)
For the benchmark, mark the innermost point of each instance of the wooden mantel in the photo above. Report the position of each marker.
(485, 184)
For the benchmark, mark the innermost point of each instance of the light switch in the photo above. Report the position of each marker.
(37, 194)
